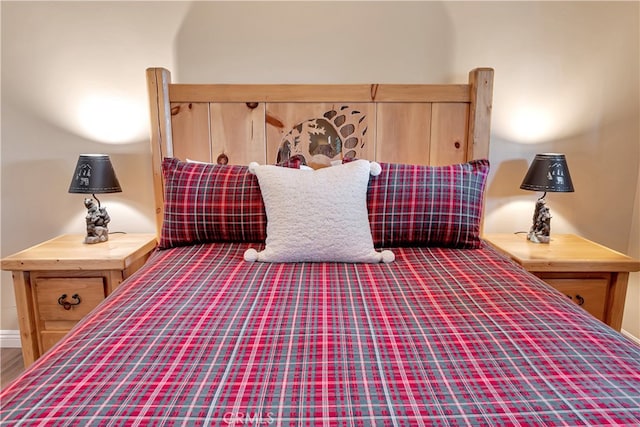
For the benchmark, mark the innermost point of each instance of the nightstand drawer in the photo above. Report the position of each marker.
(61, 300)
(590, 294)
(51, 338)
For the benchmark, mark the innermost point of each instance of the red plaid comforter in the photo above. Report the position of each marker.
(440, 336)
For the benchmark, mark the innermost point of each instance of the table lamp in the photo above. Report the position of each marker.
(548, 173)
(93, 175)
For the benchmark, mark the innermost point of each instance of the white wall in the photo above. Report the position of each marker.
(566, 80)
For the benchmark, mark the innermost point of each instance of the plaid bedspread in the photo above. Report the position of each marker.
(439, 337)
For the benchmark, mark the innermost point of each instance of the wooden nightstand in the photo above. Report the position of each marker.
(592, 275)
(59, 281)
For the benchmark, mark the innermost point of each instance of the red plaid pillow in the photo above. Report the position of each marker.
(204, 202)
(413, 205)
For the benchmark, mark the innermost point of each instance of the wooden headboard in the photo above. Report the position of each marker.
(428, 124)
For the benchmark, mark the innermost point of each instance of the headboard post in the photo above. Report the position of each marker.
(481, 93)
(158, 80)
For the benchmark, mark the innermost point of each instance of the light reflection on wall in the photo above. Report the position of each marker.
(531, 124)
(515, 214)
(545, 110)
(111, 118)
(124, 218)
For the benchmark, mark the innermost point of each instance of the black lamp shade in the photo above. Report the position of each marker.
(94, 174)
(549, 173)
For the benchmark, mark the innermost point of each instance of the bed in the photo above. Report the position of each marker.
(369, 300)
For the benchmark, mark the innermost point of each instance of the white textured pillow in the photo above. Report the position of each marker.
(318, 215)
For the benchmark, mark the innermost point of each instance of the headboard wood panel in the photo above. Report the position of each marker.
(403, 123)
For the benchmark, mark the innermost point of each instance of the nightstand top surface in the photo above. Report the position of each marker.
(564, 252)
(69, 252)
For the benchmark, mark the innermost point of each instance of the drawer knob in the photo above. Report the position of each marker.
(66, 304)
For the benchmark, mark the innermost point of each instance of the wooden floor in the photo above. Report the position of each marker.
(12, 365)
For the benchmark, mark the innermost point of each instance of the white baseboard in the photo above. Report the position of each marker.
(631, 337)
(9, 338)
